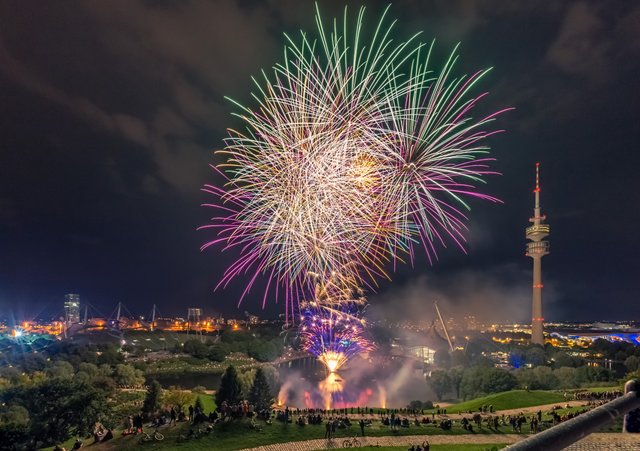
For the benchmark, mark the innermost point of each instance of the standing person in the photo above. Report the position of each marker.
(190, 413)
(362, 426)
(172, 416)
(327, 431)
(425, 445)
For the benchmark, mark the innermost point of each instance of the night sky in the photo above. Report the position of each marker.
(111, 112)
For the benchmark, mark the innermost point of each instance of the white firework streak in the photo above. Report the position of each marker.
(354, 155)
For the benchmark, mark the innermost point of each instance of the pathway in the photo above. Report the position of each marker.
(598, 441)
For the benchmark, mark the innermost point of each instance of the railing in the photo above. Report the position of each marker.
(560, 436)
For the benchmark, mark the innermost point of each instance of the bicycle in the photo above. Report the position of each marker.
(157, 436)
(351, 443)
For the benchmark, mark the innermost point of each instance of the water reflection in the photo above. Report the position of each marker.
(307, 385)
(331, 389)
(304, 383)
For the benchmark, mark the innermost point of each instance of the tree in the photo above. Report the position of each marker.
(218, 352)
(273, 377)
(58, 409)
(459, 358)
(14, 426)
(526, 378)
(88, 368)
(535, 356)
(230, 390)
(260, 393)
(632, 363)
(61, 369)
(562, 359)
(152, 399)
(110, 356)
(127, 376)
(496, 380)
(440, 383)
(479, 381)
(545, 378)
(246, 381)
(586, 374)
(442, 358)
(174, 397)
(196, 348)
(566, 377)
(455, 376)
(414, 405)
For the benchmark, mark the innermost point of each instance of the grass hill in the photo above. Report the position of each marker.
(513, 399)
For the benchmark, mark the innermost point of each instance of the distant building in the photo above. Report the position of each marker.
(420, 346)
(194, 314)
(72, 308)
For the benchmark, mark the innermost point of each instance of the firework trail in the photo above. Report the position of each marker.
(355, 154)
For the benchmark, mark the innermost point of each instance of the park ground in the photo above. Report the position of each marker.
(240, 434)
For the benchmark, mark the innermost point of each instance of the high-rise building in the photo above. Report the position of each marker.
(194, 314)
(72, 308)
(537, 247)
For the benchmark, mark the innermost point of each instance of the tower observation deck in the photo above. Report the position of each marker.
(537, 247)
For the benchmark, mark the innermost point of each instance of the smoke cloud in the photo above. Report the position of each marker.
(494, 294)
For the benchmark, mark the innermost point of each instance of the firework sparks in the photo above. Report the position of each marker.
(332, 335)
(348, 162)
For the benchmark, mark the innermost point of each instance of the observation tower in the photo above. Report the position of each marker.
(537, 247)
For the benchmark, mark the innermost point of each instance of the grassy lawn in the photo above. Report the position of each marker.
(208, 402)
(514, 399)
(238, 435)
(157, 340)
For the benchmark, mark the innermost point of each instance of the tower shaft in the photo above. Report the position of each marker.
(537, 319)
(537, 247)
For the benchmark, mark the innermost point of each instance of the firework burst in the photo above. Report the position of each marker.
(355, 153)
(332, 335)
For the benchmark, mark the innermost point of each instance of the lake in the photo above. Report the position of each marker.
(306, 383)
